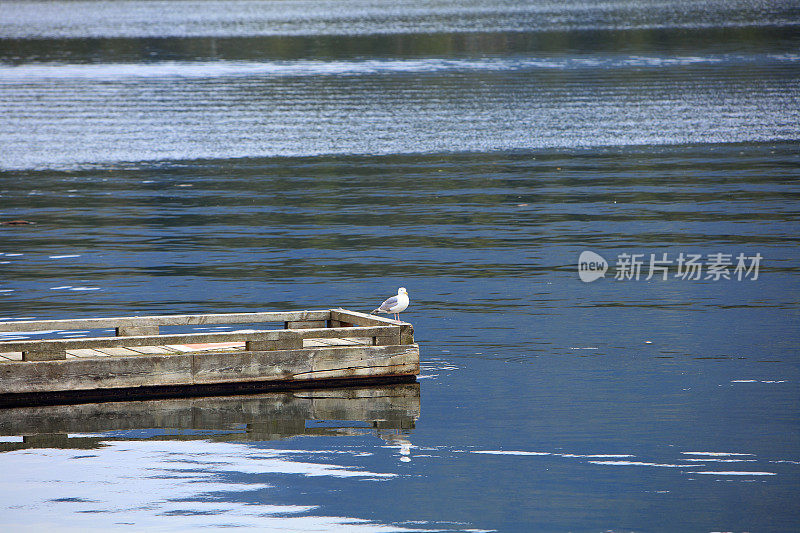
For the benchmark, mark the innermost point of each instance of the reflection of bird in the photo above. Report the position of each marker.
(394, 305)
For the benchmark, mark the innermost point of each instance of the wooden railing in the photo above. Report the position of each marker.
(145, 331)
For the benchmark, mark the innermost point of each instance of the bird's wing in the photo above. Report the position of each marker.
(388, 304)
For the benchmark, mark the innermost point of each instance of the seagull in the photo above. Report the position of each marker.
(394, 305)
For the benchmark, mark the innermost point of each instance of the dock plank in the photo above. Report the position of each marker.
(354, 317)
(314, 343)
(166, 320)
(86, 352)
(215, 346)
(305, 364)
(96, 373)
(116, 351)
(151, 350)
(358, 340)
(279, 337)
(339, 342)
(180, 348)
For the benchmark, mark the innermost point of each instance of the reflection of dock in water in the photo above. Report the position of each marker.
(387, 411)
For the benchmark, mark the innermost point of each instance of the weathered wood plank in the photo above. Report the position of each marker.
(409, 369)
(175, 348)
(356, 340)
(165, 320)
(86, 352)
(215, 346)
(363, 319)
(54, 345)
(306, 364)
(116, 351)
(151, 350)
(95, 373)
(341, 342)
(44, 352)
(386, 340)
(291, 343)
(305, 324)
(251, 366)
(363, 356)
(406, 334)
(314, 343)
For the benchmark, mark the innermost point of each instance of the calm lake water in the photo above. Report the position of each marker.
(216, 157)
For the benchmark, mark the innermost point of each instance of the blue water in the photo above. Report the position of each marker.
(179, 157)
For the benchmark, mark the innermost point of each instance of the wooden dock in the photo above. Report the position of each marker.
(332, 347)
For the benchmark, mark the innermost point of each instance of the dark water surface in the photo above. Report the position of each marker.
(241, 156)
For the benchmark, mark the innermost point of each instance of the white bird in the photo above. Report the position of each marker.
(394, 305)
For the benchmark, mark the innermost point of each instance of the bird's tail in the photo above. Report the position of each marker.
(376, 311)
